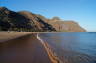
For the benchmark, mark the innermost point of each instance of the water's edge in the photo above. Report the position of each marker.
(63, 55)
(52, 55)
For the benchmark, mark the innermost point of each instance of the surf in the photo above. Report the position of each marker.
(52, 55)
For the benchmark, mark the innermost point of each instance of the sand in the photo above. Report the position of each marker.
(52, 55)
(26, 49)
(35, 50)
(4, 36)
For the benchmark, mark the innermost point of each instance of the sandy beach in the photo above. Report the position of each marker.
(14, 39)
(26, 49)
(5, 36)
(42, 48)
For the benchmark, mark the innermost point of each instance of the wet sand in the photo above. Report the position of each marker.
(52, 55)
(26, 49)
(33, 48)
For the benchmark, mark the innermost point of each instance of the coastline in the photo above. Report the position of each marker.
(27, 48)
(35, 47)
(9, 36)
(52, 55)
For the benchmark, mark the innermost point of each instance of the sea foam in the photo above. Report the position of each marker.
(52, 55)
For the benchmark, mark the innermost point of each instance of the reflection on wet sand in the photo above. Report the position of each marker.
(26, 49)
(44, 48)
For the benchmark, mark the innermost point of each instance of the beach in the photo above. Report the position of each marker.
(25, 49)
(49, 48)
(5, 36)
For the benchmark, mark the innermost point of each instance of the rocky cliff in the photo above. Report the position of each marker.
(27, 21)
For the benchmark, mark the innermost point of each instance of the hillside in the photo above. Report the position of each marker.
(63, 25)
(22, 21)
(67, 26)
(30, 22)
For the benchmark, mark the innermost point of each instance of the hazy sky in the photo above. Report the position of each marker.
(81, 11)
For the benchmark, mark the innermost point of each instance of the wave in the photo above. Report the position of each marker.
(39, 38)
(52, 55)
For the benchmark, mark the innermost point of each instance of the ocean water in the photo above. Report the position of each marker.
(78, 47)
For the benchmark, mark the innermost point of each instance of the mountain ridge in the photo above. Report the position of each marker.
(63, 25)
(30, 22)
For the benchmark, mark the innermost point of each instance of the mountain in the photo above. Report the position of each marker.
(22, 21)
(27, 21)
(63, 25)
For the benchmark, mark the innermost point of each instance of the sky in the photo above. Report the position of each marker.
(81, 11)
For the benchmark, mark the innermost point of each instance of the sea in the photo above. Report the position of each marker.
(73, 47)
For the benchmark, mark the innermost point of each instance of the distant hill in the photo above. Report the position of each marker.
(27, 21)
(62, 25)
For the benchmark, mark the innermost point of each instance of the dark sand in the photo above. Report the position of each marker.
(26, 49)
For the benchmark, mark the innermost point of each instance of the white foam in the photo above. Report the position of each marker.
(47, 47)
(39, 38)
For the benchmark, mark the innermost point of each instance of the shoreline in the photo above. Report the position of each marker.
(27, 48)
(35, 45)
(7, 36)
(52, 55)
